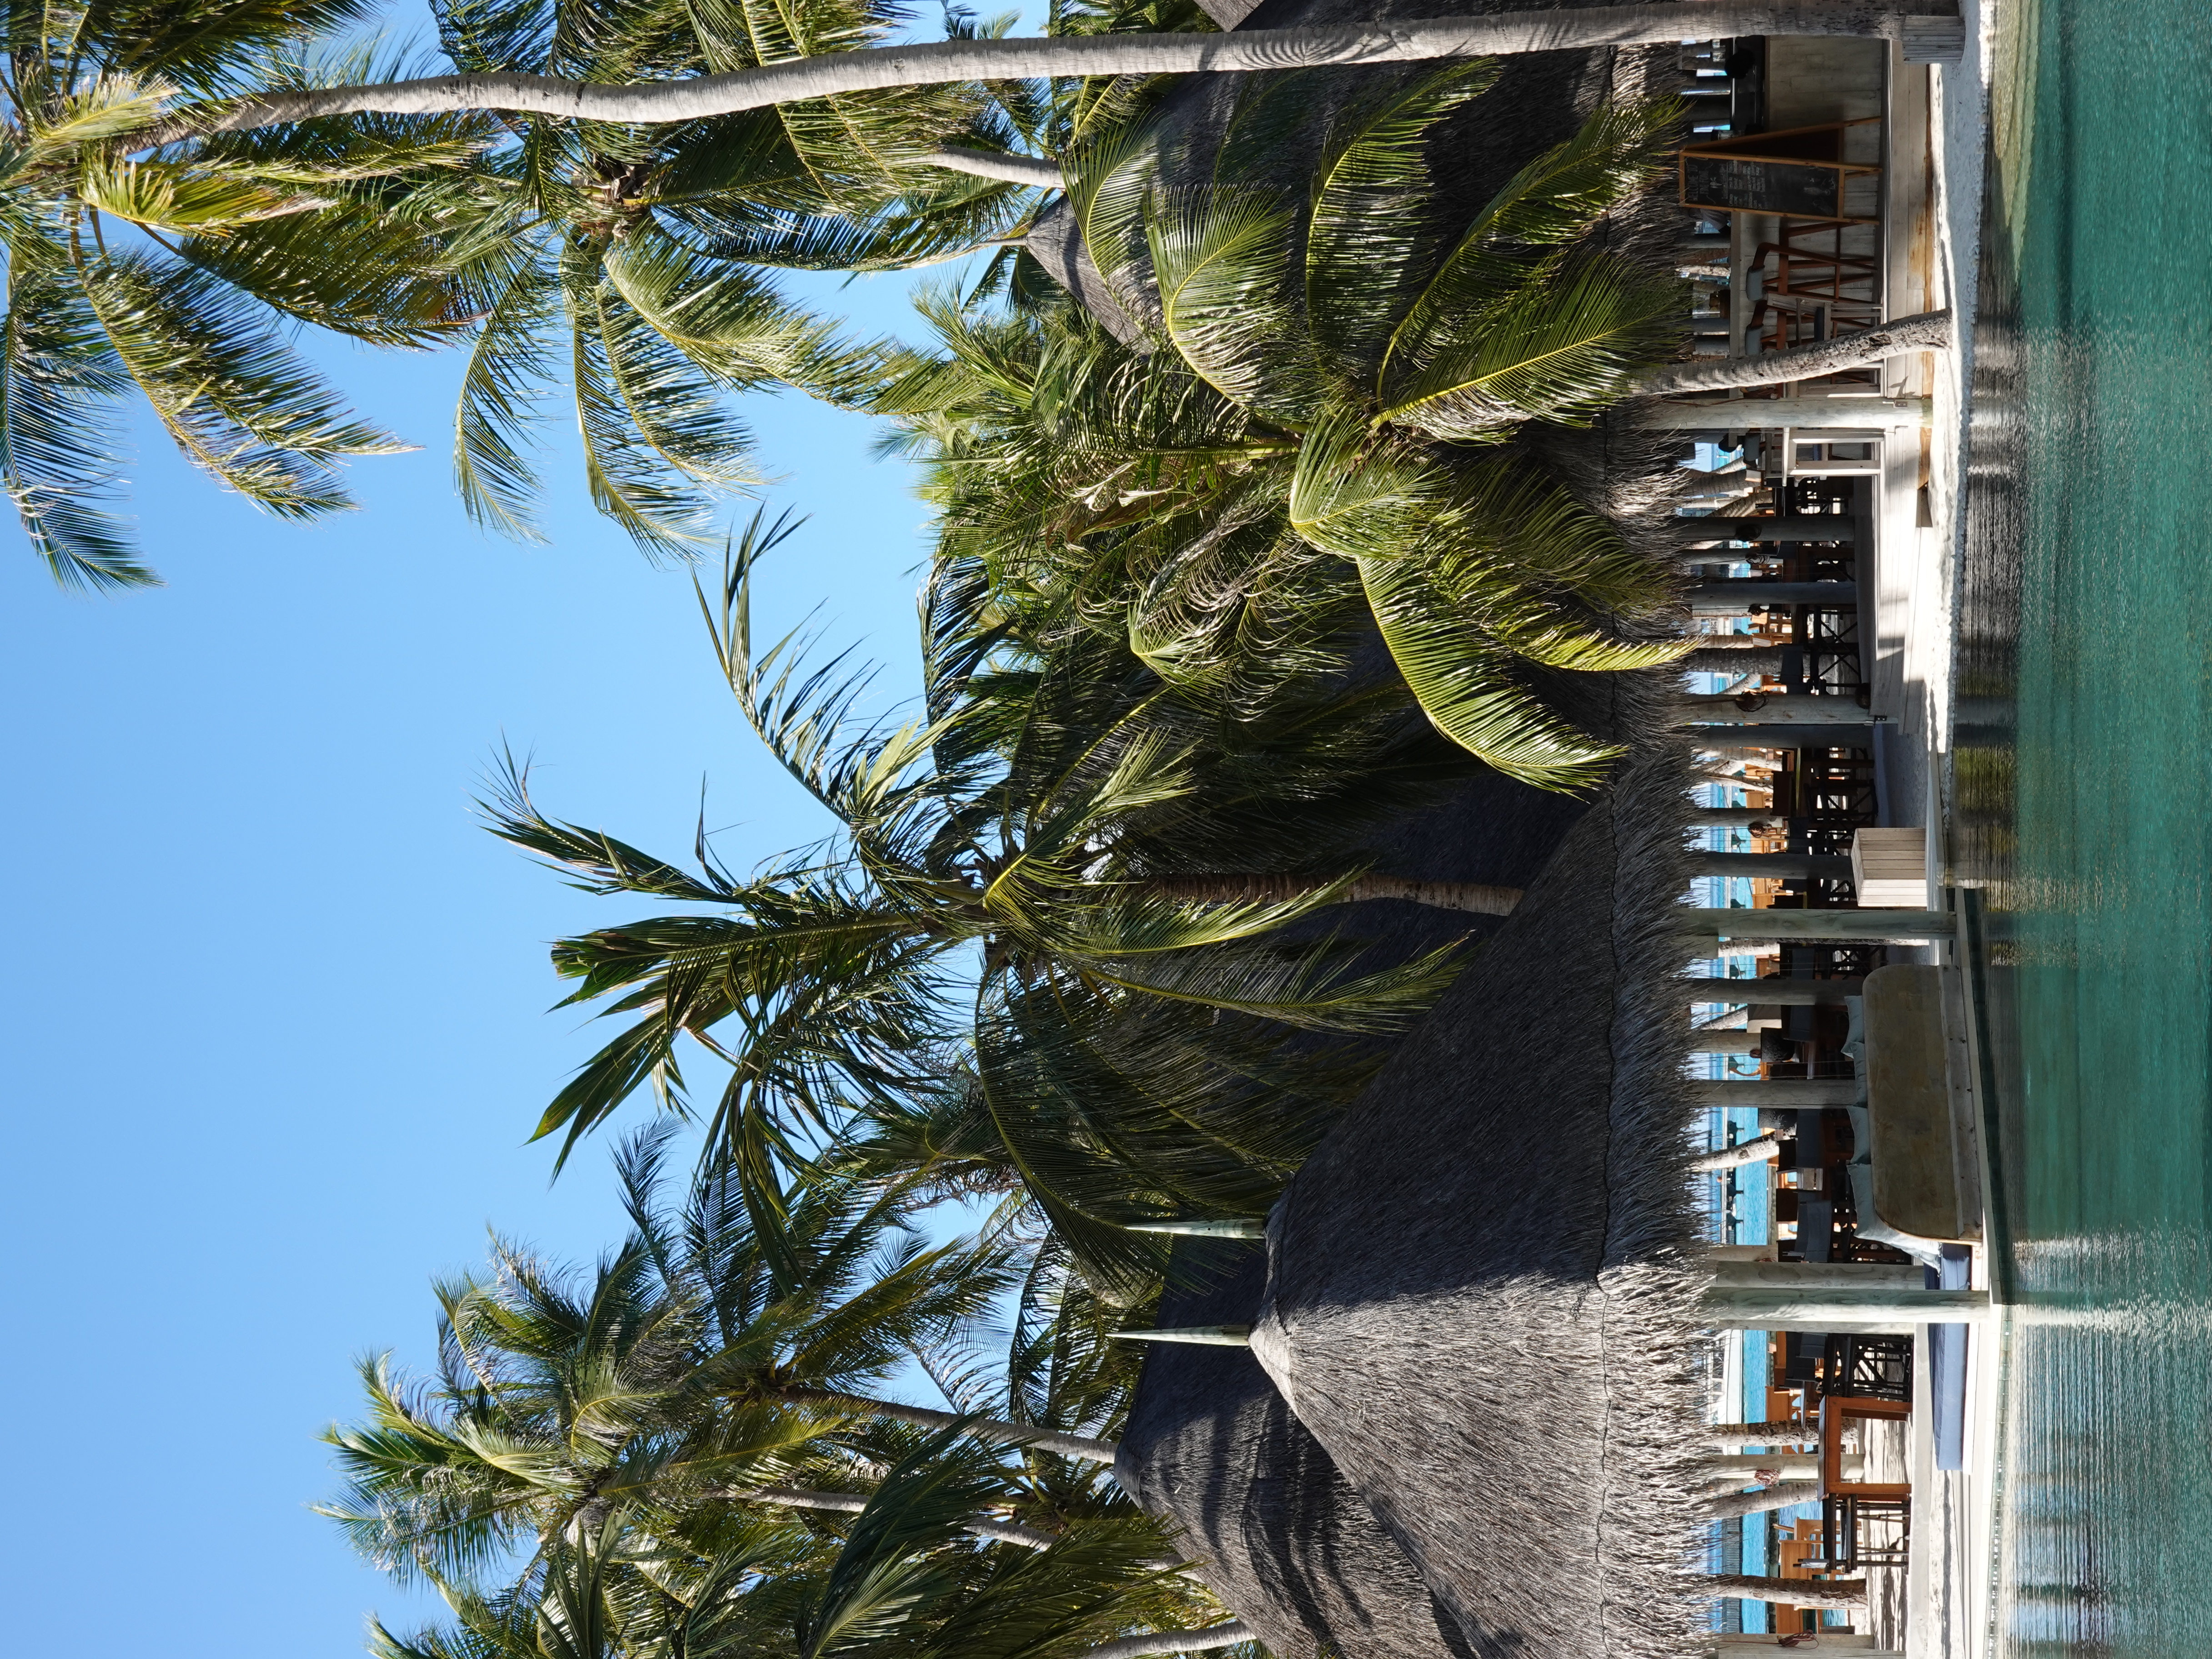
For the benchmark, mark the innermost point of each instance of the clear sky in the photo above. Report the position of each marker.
(276, 1010)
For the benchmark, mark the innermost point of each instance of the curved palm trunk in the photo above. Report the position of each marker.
(1929, 30)
(997, 164)
(1079, 1447)
(1866, 348)
(1797, 1592)
(1470, 895)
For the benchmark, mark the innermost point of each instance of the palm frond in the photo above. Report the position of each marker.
(659, 445)
(1371, 229)
(1462, 679)
(503, 387)
(1221, 257)
(58, 443)
(241, 405)
(1560, 349)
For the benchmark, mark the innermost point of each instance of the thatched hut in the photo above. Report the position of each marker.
(1277, 1533)
(1476, 1296)
(1285, 1539)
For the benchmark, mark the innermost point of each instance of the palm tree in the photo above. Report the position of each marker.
(673, 1438)
(636, 263)
(702, 1361)
(630, 263)
(973, 949)
(1930, 30)
(172, 278)
(908, 1578)
(1338, 424)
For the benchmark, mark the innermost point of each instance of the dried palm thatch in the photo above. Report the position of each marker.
(1285, 1539)
(1277, 1533)
(1477, 1299)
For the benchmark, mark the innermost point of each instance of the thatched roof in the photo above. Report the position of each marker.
(1290, 1545)
(1282, 1537)
(1475, 1300)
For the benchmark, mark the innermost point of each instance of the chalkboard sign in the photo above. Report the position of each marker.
(1738, 186)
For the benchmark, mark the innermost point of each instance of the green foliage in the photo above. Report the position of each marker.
(1333, 365)
(596, 1469)
(665, 1377)
(652, 249)
(167, 276)
(990, 955)
(630, 267)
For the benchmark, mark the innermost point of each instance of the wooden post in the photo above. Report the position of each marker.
(1840, 1593)
(1758, 1150)
(1804, 528)
(1775, 1094)
(1764, 660)
(1787, 1465)
(1735, 597)
(1735, 817)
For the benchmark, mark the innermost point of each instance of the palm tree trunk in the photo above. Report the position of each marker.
(1797, 1592)
(1174, 1641)
(1468, 896)
(1928, 331)
(1739, 1435)
(1930, 30)
(1076, 1446)
(997, 164)
(852, 1503)
(1788, 1495)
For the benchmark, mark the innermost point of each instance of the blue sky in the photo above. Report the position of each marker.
(276, 1009)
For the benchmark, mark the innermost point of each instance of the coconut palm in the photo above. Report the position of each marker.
(171, 277)
(908, 1577)
(1929, 29)
(629, 264)
(973, 940)
(701, 1362)
(663, 1440)
(635, 262)
(1337, 423)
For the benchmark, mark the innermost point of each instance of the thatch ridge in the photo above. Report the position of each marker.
(1479, 1298)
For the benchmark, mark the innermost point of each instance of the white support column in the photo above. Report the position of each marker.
(1864, 1297)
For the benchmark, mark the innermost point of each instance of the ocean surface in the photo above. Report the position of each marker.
(2083, 797)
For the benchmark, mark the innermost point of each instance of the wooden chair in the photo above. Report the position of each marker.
(1846, 1503)
(1836, 1410)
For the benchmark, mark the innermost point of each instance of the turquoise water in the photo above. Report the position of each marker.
(2101, 475)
